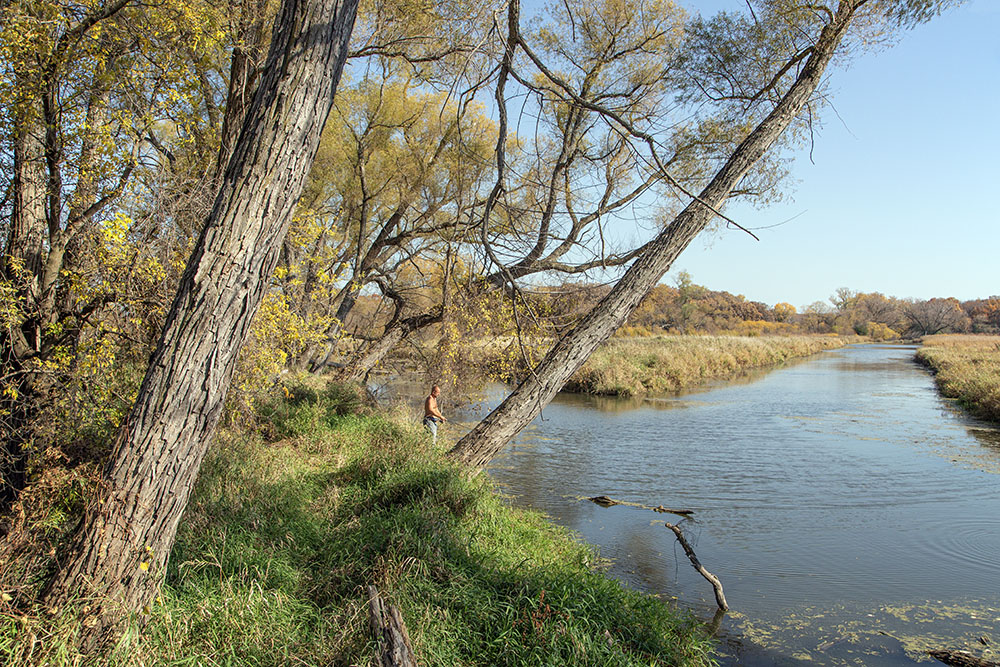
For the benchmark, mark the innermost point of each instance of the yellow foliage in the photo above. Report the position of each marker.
(879, 331)
(278, 334)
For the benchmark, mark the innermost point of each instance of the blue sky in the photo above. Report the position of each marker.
(902, 198)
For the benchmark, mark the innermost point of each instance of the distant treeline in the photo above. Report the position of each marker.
(687, 307)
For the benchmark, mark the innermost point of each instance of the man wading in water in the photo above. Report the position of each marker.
(432, 415)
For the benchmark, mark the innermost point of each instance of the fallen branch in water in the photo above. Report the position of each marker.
(394, 649)
(607, 501)
(961, 659)
(720, 597)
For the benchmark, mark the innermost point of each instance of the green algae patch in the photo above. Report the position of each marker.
(887, 634)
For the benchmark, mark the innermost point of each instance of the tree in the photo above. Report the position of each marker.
(394, 182)
(557, 187)
(86, 89)
(783, 312)
(926, 318)
(808, 64)
(844, 299)
(118, 554)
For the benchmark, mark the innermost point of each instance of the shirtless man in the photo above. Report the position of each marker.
(432, 415)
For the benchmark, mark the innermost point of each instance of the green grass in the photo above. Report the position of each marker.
(637, 366)
(282, 537)
(966, 368)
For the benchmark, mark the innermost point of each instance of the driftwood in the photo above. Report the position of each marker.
(394, 649)
(961, 659)
(720, 597)
(607, 501)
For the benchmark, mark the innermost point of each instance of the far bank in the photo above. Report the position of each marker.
(966, 368)
(638, 366)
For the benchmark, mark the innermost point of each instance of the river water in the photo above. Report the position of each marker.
(852, 514)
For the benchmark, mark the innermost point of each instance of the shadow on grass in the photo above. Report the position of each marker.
(280, 541)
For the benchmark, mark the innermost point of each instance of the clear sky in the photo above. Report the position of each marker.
(902, 198)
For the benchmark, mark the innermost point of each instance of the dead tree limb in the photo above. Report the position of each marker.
(394, 649)
(607, 501)
(720, 597)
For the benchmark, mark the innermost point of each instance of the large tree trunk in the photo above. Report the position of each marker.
(27, 222)
(490, 436)
(118, 555)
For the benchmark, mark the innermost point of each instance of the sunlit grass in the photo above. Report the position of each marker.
(282, 537)
(636, 366)
(967, 368)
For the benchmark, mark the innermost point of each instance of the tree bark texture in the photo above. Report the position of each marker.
(20, 265)
(27, 224)
(961, 659)
(492, 434)
(117, 558)
(244, 72)
(389, 631)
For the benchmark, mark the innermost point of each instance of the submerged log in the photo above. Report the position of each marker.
(961, 659)
(394, 649)
(607, 501)
(664, 510)
(720, 597)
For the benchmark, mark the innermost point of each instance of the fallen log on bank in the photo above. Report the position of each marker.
(961, 659)
(720, 597)
(607, 501)
(394, 649)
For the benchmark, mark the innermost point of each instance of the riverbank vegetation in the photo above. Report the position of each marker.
(293, 518)
(632, 367)
(966, 368)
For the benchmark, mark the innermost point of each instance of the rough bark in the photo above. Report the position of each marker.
(27, 221)
(20, 265)
(244, 71)
(492, 434)
(389, 630)
(118, 555)
(961, 659)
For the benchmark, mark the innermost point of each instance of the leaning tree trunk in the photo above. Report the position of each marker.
(490, 436)
(117, 558)
(244, 71)
(367, 358)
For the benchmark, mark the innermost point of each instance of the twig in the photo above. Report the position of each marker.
(720, 597)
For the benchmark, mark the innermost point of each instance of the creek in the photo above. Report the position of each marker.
(852, 514)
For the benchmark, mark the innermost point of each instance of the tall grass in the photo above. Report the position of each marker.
(636, 366)
(966, 367)
(286, 529)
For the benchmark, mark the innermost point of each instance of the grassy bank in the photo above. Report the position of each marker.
(966, 368)
(636, 366)
(287, 528)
